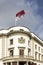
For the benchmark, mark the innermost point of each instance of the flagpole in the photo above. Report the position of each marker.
(16, 21)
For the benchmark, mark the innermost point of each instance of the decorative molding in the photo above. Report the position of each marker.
(11, 48)
(21, 40)
(21, 47)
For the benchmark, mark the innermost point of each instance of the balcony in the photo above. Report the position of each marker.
(18, 58)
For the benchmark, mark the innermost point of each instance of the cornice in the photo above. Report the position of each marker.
(10, 31)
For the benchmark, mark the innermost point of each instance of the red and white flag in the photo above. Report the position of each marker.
(20, 15)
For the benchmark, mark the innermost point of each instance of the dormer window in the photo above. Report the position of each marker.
(21, 30)
(11, 30)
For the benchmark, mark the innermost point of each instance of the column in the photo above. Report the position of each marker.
(11, 63)
(37, 56)
(3, 46)
(27, 63)
(6, 63)
(40, 57)
(17, 62)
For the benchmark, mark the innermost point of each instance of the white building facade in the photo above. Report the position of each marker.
(18, 46)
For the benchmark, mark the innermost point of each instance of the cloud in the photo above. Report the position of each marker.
(32, 20)
(40, 31)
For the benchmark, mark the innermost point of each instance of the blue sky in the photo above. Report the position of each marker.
(33, 18)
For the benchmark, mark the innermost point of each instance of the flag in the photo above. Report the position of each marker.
(20, 14)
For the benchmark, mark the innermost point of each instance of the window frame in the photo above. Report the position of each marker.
(35, 46)
(21, 53)
(11, 41)
(11, 54)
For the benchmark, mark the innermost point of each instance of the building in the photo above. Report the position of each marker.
(18, 46)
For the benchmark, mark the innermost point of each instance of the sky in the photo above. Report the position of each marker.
(33, 18)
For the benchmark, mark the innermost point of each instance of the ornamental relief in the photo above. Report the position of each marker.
(21, 40)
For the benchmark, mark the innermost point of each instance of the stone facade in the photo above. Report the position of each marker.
(18, 46)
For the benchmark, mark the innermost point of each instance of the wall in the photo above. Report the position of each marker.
(16, 44)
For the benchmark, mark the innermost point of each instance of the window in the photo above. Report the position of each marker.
(11, 41)
(4, 63)
(39, 49)
(42, 50)
(11, 30)
(28, 52)
(28, 42)
(11, 52)
(21, 52)
(39, 57)
(14, 63)
(21, 30)
(8, 63)
(35, 46)
(36, 55)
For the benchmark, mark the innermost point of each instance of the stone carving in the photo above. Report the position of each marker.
(21, 40)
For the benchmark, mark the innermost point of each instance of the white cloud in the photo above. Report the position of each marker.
(8, 9)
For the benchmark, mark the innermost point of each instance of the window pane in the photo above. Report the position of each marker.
(36, 55)
(11, 41)
(39, 56)
(4, 63)
(8, 63)
(11, 52)
(35, 46)
(21, 52)
(39, 49)
(14, 63)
